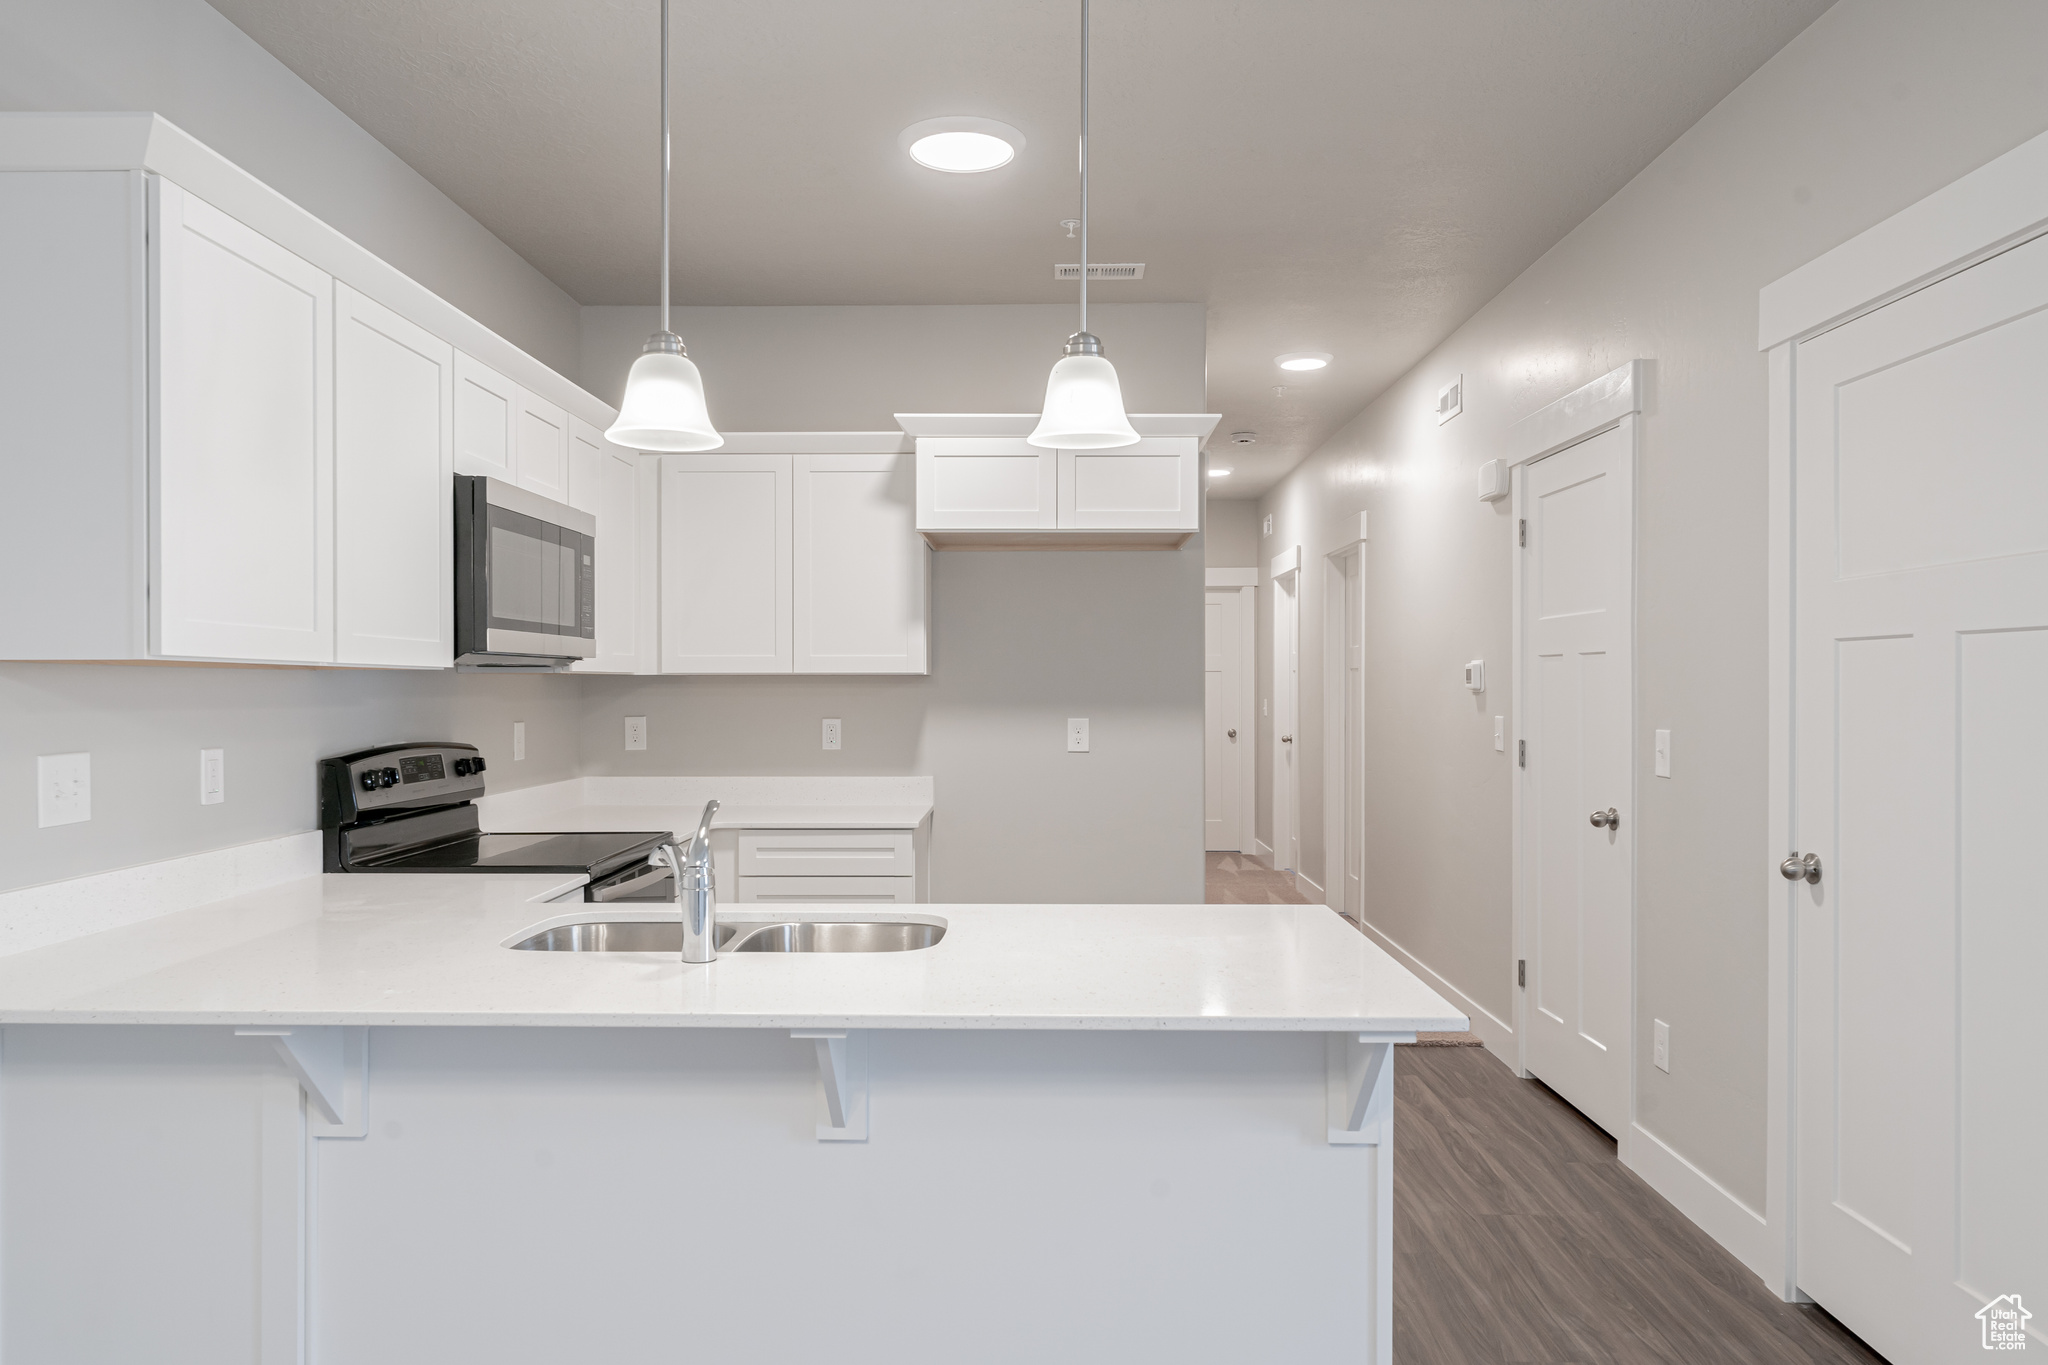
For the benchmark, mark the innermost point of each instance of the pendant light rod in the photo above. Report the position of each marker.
(1084, 163)
(664, 165)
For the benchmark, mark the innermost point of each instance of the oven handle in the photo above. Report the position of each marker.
(623, 884)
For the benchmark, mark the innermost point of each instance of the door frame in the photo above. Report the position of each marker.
(1244, 583)
(1283, 564)
(1340, 822)
(1613, 401)
(1994, 208)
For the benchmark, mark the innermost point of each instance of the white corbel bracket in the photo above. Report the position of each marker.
(332, 1063)
(842, 1083)
(1358, 1070)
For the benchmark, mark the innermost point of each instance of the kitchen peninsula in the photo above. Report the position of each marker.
(342, 1118)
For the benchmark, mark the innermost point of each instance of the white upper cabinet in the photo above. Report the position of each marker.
(979, 482)
(486, 421)
(725, 564)
(861, 569)
(586, 466)
(243, 442)
(394, 446)
(543, 432)
(624, 488)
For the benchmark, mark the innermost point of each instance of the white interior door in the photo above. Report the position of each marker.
(1227, 727)
(1920, 780)
(725, 564)
(1286, 709)
(1578, 704)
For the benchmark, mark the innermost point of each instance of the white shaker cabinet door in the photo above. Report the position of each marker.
(242, 448)
(725, 564)
(587, 448)
(981, 483)
(543, 441)
(1154, 485)
(861, 567)
(394, 446)
(486, 421)
(625, 563)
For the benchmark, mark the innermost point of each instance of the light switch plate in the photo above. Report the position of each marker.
(1077, 735)
(63, 789)
(636, 732)
(213, 777)
(1660, 1045)
(1269, 525)
(518, 740)
(1500, 734)
(1663, 753)
(832, 734)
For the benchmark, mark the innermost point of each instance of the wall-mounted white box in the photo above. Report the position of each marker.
(63, 789)
(1495, 481)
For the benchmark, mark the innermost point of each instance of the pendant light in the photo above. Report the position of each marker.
(1084, 405)
(664, 404)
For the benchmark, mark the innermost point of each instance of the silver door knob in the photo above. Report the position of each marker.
(1607, 819)
(1798, 869)
(1231, 733)
(1287, 739)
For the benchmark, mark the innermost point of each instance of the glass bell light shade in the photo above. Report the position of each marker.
(1084, 405)
(664, 405)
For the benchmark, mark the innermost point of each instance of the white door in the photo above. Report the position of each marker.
(1577, 699)
(1921, 782)
(394, 447)
(587, 448)
(486, 421)
(542, 430)
(1227, 718)
(861, 568)
(1286, 706)
(243, 452)
(725, 564)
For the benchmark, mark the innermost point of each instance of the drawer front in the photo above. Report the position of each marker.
(849, 890)
(826, 853)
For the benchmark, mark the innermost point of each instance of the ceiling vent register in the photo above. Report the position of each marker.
(1126, 270)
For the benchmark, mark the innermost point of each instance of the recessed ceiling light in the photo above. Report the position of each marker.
(1302, 360)
(1219, 473)
(961, 144)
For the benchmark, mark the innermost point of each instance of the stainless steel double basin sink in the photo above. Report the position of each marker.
(782, 936)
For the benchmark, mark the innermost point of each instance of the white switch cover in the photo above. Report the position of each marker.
(1660, 1045)
(1077, 735)
(63, 789)
(1269, 524)
(832, 734)
(213, 777)
(1475, 675)
(1500, 734)
(636, 732)
(518, 739)
(1663, 753)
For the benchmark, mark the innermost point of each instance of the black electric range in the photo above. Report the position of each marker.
(408, 808)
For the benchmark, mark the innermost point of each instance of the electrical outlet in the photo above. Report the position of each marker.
(213, 777)
(63, 789)
(1077, 735)
(636, 732)
(1500, 734)
(1269, 524)
(1663, 753)
(832, 734)
(518, 740)
(1660, 1045)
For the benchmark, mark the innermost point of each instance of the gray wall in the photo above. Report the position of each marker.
(1877, 104)
(182, 59)
(1230, 532)
(1020, 640)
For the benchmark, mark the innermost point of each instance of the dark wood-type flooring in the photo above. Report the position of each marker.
(1519, 1239)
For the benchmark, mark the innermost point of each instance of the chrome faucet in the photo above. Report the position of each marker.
(696, 896)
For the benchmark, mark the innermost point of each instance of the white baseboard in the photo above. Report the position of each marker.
(1498, 1037)
(1734, 1224)
(1302, 879)
(37, 916)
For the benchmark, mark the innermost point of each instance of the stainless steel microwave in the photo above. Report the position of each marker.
(525, 578)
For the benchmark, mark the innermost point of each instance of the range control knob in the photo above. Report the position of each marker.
(368, 779)
(388, 778)
(476, 765)
(462, 767)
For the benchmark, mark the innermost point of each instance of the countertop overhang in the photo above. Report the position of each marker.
(410, 950)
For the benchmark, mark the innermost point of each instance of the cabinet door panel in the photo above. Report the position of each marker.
(394, 444)
(1153, 485)
(861, 567)
(242, 544)
(486, 426)
(543, 433)
(625, 565)
(586, 466)
(974, 483)
(725, 564)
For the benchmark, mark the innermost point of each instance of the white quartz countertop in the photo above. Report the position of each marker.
(426, 949)
(676, 804)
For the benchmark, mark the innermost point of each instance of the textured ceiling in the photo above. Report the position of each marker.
(1351, 176)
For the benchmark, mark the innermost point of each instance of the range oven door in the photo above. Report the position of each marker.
(525, 578)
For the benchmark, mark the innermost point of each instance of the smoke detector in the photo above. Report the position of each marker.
(1244, 438)
(1127, 270)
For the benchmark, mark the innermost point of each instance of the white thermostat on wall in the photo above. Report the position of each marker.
(1475, 675)
(1493, 480)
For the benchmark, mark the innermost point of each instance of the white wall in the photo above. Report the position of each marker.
(1021, 640)
(1877, 104)
(1230, 533)
(182, 59)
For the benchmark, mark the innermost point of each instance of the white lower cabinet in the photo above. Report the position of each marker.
(850, 865)
(394, 446)
(836, 890)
